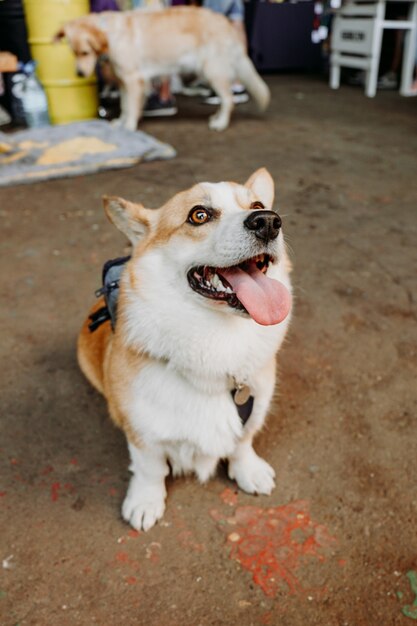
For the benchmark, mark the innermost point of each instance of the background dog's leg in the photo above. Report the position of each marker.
(123, 105)
(144, 503)
(222, 85)
(132, 102)
(252, 474)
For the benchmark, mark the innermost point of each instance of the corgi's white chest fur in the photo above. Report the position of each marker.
(182, 400)
(172, 411)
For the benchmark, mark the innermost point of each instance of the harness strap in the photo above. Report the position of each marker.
(98, 318)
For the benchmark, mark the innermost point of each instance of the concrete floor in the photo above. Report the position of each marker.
(336, 543)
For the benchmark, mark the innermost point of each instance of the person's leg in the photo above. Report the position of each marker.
(234, 11)
(165, 90)
(389, 79)
(161, 102)
(239, 26)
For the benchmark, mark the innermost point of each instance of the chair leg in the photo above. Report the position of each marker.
(334, 76)
(372, 73)
(409, 57)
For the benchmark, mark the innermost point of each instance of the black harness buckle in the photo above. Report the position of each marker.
(112, 271)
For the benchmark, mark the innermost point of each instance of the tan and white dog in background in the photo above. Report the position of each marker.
(203, 308)
(142, 45)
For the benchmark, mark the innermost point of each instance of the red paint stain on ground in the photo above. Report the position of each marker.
(47, 470)
(127, 563)
(2, 494)
(122, 557)
(131, 580)
(229, 497)
(22, 480)
(272, 543)
(133, 533)
(55, 487)
(186, 537)
(186, 540)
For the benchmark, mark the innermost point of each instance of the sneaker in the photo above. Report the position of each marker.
(357, 79)
(388, 81)
(196, 88)
(155, 107)
(4, 117)
(239, 94)
(109, 92)
(176, 84)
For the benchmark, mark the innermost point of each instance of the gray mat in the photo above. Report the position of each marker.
(72, 150)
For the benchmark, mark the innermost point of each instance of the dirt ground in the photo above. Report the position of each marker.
(336, 543)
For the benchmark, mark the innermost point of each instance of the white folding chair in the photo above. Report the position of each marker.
(357, 37)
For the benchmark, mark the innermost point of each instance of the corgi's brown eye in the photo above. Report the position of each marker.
(198, 215)
(257, 206)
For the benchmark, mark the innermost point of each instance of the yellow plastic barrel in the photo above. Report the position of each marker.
(70, 98)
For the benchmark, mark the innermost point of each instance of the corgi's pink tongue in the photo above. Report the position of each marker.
(266, 300)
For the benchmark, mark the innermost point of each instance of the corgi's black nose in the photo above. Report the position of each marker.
(264, 224)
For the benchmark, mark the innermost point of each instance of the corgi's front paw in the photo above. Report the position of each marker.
(252, 474)
(142, 508)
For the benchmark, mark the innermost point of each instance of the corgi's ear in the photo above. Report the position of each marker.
(133, 220)
(262, 185)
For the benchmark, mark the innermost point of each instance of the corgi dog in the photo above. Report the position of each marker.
(188, 370)
(146, 44)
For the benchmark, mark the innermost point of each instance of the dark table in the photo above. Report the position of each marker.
(280, 36)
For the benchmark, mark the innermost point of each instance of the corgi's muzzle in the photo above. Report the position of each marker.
(245, 287)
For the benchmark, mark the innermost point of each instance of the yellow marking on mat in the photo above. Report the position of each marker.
(54, 170)
(5, 147)
(122, 161)
(93, 169)
(13, 157)
(30, 145)
(71, 168)
(73, 149)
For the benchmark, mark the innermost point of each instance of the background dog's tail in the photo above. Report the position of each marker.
(254, 84)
